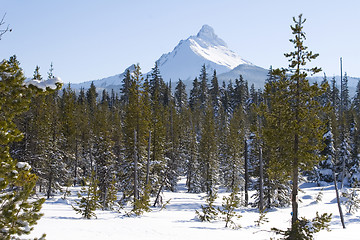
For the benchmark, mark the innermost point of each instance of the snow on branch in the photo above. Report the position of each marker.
(51, 83)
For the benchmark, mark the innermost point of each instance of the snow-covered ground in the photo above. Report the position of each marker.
(178, 220)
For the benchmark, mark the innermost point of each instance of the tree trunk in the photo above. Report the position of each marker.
(136, 196)
(91, 160)
(158, 195)
(50, 183)
(246, 173)
(295, 179)
(343, 169)
(261, 180)
(261, 171)
(76, 162)
(148, 161)
(338, 200)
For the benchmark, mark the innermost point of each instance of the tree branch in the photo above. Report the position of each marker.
(7, 29)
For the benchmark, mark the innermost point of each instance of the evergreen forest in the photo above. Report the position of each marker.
(140, 139)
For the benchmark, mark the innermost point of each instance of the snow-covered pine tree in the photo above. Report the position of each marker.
(68, 131)
(172, 152)
(103, 155)
(325, 168)
(136, 130)
(208, 211)
(232, 166)
(208, 152)
(158, 163)
(355, 136)
(18, 213)
(89, 198)
(82, 136)
(193, 169)
(344, 156)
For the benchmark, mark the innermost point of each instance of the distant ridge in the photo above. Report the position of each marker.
(186, 59)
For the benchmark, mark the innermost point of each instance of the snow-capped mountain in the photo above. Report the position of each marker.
(186, 60)
(189, 55)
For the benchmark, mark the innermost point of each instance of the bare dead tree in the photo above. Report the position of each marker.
(4, 30)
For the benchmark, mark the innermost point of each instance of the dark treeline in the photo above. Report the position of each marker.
(141, 141)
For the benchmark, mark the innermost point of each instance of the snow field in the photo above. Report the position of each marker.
(178, 220)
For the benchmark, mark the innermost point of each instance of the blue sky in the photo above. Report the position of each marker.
(88, 40)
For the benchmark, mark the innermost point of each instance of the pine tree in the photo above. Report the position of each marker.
(103, 155)
(305, 229)
(194, 99)
(125, 89)
(159, 115)
(232, 165)
(356, 101)
(56, 159)
(214, 93)
(136, 127)
(229, 205)
(335, 95)
(208, 152)
(172, 142)
(294, 129)
(208, 212)
(18, 213)
(82, 136)
(180, 96)
(325, 171)
(91, 96)
(51, 70)
(89, 197)
(345, 97)
(69, 129)
(204, 88)
(37, 74)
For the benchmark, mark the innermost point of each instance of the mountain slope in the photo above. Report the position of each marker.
(185, 61)
(112, 82)
(253, 74)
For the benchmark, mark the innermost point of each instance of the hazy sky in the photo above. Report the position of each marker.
(88, 39)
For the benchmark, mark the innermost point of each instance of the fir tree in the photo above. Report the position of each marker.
(294, 117)
(51, 70)
(180, 96)
(214, 93)
(125, 89)
(204, 88)
(208, 212)
(136, 126)
(325, 169)
(305, 229)
(37, 74)
(193, 169)
(208, 153)
(232, 165)
(194, 100)
(229, 206)
(89, 197)
(18, 213)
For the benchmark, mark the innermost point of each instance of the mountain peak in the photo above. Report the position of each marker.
(206, 30)
(207, 34)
